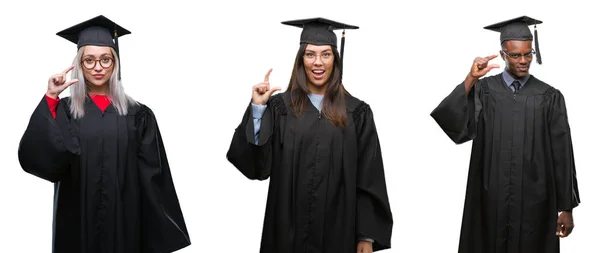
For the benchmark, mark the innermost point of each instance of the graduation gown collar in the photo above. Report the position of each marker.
(91, 105)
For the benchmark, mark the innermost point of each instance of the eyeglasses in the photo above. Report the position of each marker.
(90, 63)
(312, 56)
(528, 55)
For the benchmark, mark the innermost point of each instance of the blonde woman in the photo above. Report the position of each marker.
(104, 152)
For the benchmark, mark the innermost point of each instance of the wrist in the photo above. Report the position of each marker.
(258, 103)
(470, 80)
(52, 95)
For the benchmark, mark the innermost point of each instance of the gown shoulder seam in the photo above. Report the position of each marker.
(278, 104)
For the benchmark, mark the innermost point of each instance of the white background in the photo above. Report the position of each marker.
(194, 65)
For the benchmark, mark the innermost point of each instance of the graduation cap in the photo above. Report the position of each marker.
(518, 29)
(320, 31)
(98, 31)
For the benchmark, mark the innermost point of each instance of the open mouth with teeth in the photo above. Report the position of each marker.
(318, 73)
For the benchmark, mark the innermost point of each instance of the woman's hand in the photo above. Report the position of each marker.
(57, 83)
(262, 91)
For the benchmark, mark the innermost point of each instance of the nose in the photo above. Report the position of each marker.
(98, 67)
(318, 61)
(523, 60)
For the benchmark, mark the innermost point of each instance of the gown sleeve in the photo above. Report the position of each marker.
(48, 145)
(373, 213)
(457, 114)
(162, 219)
(567, 190)
(251, 151)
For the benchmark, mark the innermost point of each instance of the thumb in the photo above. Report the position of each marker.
(272, 90)
(69, 83)
(559, 224)
(490, 67)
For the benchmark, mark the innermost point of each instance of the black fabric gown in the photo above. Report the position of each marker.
(327, 184)
(113, 187)
(522, 170)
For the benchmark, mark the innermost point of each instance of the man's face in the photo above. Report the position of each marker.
(518, 55)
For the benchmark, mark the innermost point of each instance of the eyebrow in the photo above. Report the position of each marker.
(530, 51)
(90, 55)
(324, 51)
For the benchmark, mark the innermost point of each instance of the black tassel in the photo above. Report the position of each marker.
(538, 55)
(342, 54)
(118, 55)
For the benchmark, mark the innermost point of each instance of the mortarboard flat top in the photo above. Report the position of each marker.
(318, 31)
(98, 31)
(514, 29)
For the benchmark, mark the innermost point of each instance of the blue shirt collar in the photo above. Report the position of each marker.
(508, 79)
(316, 100)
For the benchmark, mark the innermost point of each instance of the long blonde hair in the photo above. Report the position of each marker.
(119, 99)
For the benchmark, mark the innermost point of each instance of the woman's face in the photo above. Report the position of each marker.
(318, 64)
(98, 64)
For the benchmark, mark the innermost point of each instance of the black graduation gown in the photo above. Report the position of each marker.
(327, 185)
(113, 187)
(522, 170)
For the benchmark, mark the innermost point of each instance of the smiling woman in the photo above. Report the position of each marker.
(104, 152)
(318, 64)
(317, 74)
(327, 188)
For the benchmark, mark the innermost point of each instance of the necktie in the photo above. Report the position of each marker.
(516, 86)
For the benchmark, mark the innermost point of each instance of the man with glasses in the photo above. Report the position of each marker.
(522, 184)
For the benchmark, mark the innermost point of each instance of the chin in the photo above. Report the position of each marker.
(318, 83)
(518, 73)
(522, 74)
(98, 83)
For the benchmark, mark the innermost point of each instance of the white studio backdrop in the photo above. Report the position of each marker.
(193, 63)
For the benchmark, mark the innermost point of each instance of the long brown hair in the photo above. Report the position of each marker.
(334, 103)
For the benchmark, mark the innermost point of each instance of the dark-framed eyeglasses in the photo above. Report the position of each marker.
(90, 63)
(528, 55)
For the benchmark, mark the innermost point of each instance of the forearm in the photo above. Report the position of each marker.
(469, 83)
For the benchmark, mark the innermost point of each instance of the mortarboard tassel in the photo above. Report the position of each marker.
(538, 56)
(342, 54)
(117, 49)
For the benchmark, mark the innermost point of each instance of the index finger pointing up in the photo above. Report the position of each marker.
(68, 69)
(267, 75)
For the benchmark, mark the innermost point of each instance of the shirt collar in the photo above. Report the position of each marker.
(509, 79)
